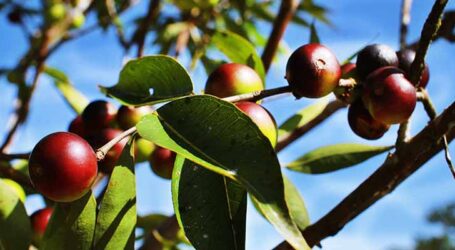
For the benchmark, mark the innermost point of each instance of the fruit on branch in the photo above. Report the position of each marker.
(363, 124)
(98, 115)
(56, 12)
(348, 70)
(110, 159)
(77, 126)
(405, 58)
(263, 119)
(78, 20)
(128, 117)
(143, 149)
(162, 162)
(16, 187)
(233, 79)
(347, 89)
(373, 57)
(312, 71)
(62, 166)
(389, 96)
(15, 16)
(39, 220)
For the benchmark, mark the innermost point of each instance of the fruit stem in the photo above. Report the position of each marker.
(8, 157)
(101, 152)
(258, 95)
(425, 99)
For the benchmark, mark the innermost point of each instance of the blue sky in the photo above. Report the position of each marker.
(393, 221)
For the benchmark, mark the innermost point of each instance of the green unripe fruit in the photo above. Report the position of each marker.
(262, 118)
(56, 12)
(143, 149)
(233, 79)
(78, 20)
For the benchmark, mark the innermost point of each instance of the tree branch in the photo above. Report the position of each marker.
(7, 171)
(287, 10)
(405, 20)
(329, 110)
(141, 32)
(396, 168)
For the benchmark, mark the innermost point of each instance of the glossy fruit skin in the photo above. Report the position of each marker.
(312, 71)
(97, 115)
(110, 159)
(406, 57)
(162, 162)
(373, 57)
(77, 126)
(263, 119)
(39, 220)
(389, 96)
(363, 124)
(233, 79)
(143, 149)
(62, 167)
(128, 116)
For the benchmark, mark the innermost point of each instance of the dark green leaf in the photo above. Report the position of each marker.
(15, 229)
(301, 118)
(160, 74)
(314, 38)
(239, 50)
(72, 225)
(334, 157)
(210, 208)
(73, 97)
(295, 203)
(116, 218)
(190, 127)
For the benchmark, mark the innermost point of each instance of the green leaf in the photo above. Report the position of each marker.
(239, 50)
(334, 157)
(15, 228)
(150, 80)
(218, 136)
(210, 208)
(73, 97)
(314, 37)
(301, 118)
(116, 218)
(295, 203)
(72, 225)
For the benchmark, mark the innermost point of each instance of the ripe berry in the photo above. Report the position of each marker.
(128, 117)
(62, 166)
(362, 124)
(233, 79)
(373, 57)
(312, 71)
(406, 57)
(39, 220)
(77, 126)
(162, 162)
(110, 159)
(389, 96)
(262, 118)
(98, 115)
(348, 70)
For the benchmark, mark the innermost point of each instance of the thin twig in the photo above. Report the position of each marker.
(141, 32)
(258, 95)
(329, 110)
(396, 168)
(9, 157)
(428, 34)
(101, 152)
(405, 20)
(285, 14)
(15, 175)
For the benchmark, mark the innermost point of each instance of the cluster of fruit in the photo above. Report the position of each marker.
(382, 95)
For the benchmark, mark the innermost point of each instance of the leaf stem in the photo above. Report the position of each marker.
(258, 95)
(101, 152)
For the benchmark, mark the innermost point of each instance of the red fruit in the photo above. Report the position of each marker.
(77, 126)
(128, 117)
(98, 115)
(406, 57)
(39, 220)
(362, 124)
(63, 166)
(233, 79)
(373, 57)
(389, 96)
(262, 118)
(348, 70)
(312, 71)
(162, 162)
(110, 159)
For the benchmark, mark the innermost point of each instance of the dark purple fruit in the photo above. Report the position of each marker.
(162, 162)
(373, 57)
(363, 124)
(98, 115)
(406, 57)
